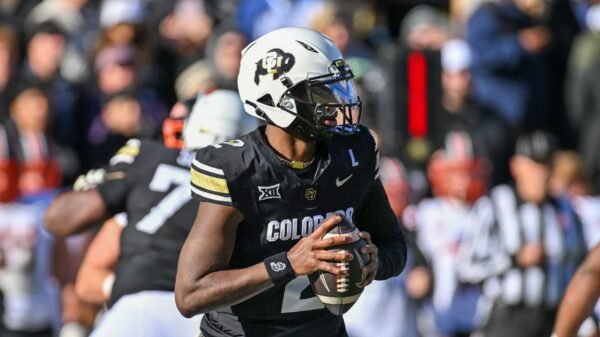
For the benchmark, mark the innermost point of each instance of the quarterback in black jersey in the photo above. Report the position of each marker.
(149, 181)
(267, 198)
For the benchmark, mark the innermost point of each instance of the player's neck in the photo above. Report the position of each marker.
(290, 147)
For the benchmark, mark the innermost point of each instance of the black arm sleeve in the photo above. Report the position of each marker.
(114, 190)
(376, 217)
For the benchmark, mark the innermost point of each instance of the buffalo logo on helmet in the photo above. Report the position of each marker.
(276, 62)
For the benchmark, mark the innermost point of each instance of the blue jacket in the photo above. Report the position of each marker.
(506, 79)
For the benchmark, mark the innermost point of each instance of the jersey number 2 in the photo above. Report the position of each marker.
(291, 297)
(164, 177)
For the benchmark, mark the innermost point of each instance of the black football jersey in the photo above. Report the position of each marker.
(280, 206)
(151, 184)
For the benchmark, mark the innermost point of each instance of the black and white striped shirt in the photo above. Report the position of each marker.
(504, 225)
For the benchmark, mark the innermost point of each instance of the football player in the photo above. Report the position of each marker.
(459, 175)
(96, 275)
(267, 198)
(149, 182)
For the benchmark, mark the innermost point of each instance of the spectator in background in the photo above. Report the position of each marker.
(424, 28)
(220, 67)
(41, 157)
(527, 245)
(194, 79)
(30, 257)
(117, 73)
(567, 179)
(258, 17)
(74, 16)
(15, 12)
(42, 164)
(79, 21)
(183, 36)
(9, 54)
(122, 117)
(411, 68)
(583, 94)
(223, 52)
(121, 23)
(37, 280)
(509, 73)
(580, 9)
(31, 298)
(186, 30)
(336, 21)
(459, 111)
(45, 48)
(115, 69)
(458, 175)
(30, 111)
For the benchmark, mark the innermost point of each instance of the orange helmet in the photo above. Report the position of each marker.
(456, 172)
(172, 127)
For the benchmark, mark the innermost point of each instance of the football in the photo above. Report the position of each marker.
(339, 293)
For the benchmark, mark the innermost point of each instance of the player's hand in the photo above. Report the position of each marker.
(370, 269)
(530, 255)
(310, 254)
(535, 39)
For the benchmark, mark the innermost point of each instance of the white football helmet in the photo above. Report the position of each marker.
(297, 79)
(216, 117)
(211, 118)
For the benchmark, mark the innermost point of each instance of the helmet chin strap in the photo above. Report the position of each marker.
(301, 127)
(302, 130)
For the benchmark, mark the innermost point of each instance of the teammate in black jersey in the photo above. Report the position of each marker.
(150, 182)
(267, 198)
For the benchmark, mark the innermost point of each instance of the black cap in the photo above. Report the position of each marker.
(48, 27)
(538, 146)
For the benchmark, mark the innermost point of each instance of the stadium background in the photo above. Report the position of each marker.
(78, 78)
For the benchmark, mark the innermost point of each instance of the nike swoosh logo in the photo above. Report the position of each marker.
(339, 182)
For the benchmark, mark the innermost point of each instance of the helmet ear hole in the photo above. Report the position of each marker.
(266, 100)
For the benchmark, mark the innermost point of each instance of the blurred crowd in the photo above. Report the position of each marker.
(487, 112)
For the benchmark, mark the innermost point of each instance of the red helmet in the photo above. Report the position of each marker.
(9, 173)
(455, 171)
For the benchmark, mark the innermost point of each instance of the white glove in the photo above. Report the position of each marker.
(89, 180)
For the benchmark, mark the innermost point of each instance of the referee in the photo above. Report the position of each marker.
(526, 245)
